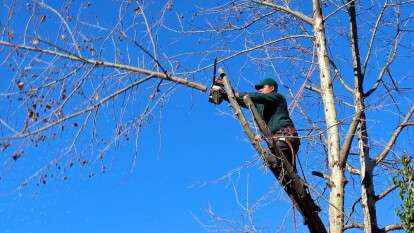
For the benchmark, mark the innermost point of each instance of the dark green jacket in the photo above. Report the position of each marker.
(272, 108)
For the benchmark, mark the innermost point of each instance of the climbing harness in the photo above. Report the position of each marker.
(289, 136)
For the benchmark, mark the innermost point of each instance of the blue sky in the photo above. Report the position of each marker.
(186, 150)
(165, 192)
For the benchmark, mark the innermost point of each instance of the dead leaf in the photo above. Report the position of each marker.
(20, 85)
(16, 155)
(35, 41)
(42, 18)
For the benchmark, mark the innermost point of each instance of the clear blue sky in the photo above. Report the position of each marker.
(184, 154)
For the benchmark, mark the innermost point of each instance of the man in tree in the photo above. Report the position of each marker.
(272, 107)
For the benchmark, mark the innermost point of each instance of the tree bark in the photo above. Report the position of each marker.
(336, 213)
(367, 165)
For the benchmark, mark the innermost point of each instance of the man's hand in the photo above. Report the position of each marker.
(257, 138)
(219, 81)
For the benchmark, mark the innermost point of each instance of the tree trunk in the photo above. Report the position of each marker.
(336, 216)
(367, 165)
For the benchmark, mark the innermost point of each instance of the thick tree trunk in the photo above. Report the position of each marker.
(336, 216)
(367, 187)
(367, 165)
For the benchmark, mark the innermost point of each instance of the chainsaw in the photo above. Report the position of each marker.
(217, 92)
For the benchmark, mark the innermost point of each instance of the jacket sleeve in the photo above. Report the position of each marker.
(240, 101)
(259, 98)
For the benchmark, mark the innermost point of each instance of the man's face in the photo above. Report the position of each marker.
(266, 89)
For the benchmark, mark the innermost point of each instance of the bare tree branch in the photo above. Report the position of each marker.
(224, 29)
(78, 113)
(251, 49)
(390, 60)
(73, 57)
(346, 147)
(287, 10)
(386, 192)
(338, 9)
(339, 75)
(313, 88)
(374, 34)
(352, 170)
(392, 227)
(75, 43)
(394, 137)
(353, 225)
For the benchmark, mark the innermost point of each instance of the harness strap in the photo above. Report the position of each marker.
(293, 153)
(281, 136)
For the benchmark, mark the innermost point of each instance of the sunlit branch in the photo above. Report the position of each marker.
(401, 3)
(392, 227)
(353, 225)
(8, 126)
(346, 147)
(352, 170)
(386, 192)
(250, 49)
(339, 75)
(394, 136)
(287, 10)
(42, 4)
(62, 156)
(78, 113)
(73, 57)
(390, 60)
(337, 10)
(224, 29)
(374, 34)
(313, 88)
(149, 31)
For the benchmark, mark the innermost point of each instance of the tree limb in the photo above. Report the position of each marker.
(73, 57)
(374, 34)
(392, 227)
(221, 60)
(339, 75)
(394, 136)
(353, 225)
(346, 147)
(352, 170)
(75, 43)
(78, 113)
(338, 9)
(313, 88)
(287, 10)
(386, 192)
(390, 60)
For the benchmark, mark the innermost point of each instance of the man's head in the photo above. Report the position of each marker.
(267, 85)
